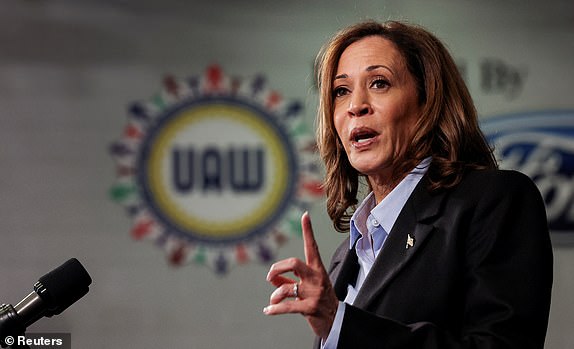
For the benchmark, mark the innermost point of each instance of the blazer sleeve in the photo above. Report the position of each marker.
(507, 279)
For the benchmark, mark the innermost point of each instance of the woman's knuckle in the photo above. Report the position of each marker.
(293, 262)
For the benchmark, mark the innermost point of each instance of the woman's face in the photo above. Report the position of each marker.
(375, 105)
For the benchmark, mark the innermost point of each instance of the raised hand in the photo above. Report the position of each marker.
(312, 295)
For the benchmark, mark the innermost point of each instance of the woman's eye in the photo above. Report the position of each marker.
(340, 91)
(380, 83)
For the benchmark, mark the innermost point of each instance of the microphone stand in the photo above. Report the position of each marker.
(11, 325)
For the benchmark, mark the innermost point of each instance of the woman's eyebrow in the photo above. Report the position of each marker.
(369, 69)
(379, 66)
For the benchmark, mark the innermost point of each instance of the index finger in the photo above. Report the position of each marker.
(312, 256)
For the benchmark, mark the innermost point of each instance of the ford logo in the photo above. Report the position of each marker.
(541, 145)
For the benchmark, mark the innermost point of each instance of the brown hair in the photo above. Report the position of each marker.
(447, 128)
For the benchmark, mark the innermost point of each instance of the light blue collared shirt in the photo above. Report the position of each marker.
(370, 226)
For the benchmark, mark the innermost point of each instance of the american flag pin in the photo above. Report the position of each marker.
(410, 241)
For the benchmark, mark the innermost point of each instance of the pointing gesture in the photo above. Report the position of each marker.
(312, 295)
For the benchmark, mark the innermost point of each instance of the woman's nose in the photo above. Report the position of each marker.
(359, 105)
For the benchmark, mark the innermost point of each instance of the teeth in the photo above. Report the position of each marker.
(363, 140)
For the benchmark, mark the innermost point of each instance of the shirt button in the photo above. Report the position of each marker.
(375, 223)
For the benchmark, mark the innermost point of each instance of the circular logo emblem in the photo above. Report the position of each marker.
(215, 170)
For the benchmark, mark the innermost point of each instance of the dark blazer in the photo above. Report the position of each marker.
(476, 274)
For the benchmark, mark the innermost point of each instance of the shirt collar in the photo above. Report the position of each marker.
(388, 210)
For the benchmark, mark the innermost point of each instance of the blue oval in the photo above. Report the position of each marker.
(541, 145)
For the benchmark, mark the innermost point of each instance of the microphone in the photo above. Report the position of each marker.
(53, 293)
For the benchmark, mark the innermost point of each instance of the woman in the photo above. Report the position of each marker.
(446, 251)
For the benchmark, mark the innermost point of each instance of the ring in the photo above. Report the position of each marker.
(296, 290)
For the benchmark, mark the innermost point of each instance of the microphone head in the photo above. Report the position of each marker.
(63, 286)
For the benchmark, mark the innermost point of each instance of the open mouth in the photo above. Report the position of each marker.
(363, 135)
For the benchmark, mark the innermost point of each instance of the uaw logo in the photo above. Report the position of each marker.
(216, 170)
(541, 145)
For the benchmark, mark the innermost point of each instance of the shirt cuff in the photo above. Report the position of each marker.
(333, 337)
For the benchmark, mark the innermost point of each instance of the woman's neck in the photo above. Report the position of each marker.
(383, 186)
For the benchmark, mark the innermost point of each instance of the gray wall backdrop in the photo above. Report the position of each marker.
(69, 69)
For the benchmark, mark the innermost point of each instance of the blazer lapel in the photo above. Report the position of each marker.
(406, 238)
(346, 273)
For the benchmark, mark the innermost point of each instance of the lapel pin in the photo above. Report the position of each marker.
(410, 241)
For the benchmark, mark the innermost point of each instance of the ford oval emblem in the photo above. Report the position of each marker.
(541, 145)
